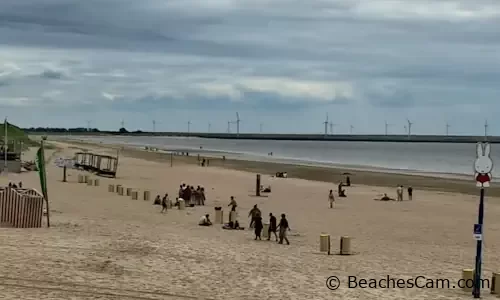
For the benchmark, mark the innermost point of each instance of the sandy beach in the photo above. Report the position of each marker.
(105, 246)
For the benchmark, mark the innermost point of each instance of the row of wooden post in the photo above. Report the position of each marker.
(130, 192)
(468, 280)
(325, 244)
(89, 181)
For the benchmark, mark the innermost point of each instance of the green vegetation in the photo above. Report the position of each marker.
(15, 133)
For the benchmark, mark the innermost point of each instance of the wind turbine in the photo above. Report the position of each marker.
(238, 124)
(326, 125)
(486, 125)
(122, 124)
(229, 126)
(332, 126)
(209, 127)
(350, 129)
(189, 127)
(88, 126)
(260, 128)
(409, 127)
(154, 126)
(447, 128)
(387, 127)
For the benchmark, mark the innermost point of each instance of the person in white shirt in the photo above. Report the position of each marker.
(205, 221)
(400, 193)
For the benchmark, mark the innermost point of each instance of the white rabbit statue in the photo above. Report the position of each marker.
(483, 165)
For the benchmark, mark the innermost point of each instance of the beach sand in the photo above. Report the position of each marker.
(105, 246)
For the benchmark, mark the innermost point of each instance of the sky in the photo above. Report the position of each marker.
(283, 65)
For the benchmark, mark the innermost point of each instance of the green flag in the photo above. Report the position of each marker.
(40, 161)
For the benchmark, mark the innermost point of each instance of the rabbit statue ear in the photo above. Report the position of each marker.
(479, 149)
(487, 150)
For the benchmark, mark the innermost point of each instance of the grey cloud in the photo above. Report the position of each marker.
(156, 53)
(50, 74)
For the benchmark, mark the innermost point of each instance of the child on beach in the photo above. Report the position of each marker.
(331, 198)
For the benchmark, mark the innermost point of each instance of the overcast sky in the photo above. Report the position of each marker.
(281, 63)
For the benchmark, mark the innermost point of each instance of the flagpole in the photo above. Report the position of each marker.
(6, 147)
(44, 189)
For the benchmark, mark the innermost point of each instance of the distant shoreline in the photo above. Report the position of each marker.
(297, 137)
(331, 174)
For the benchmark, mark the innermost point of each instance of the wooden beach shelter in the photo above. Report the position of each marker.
(20, 208)
(107, 165)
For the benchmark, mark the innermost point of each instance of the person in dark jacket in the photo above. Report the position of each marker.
(283, 227)
(272, 227)
(254, 213)
(258, 227)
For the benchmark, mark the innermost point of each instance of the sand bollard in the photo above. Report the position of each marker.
(219, 215)
(89, 182)
(467, 279)
(232, 216)
(120, 190)
(495, 283)
(135, 195)
(111, 188)
(80, 178)
(96, 182)
(265, 230)
(147, 194)
(257, 185)
(129, 191)
(345, 245)
(86, 178)
(182, 204)
(117, 188)
(324, 243)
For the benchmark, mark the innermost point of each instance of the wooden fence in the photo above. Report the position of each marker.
(20, 208)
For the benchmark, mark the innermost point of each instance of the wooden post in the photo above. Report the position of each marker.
(64, 173)
(171, 159)
(257, 186)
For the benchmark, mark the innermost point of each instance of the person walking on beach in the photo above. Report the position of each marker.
(258, 227)
(331, 198)
(283, 227)
(410, 193)
(254, 213)
(272, 227)
(233, 204)
(164, 205)
(399, 192)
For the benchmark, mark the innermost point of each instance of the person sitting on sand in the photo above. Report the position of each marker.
(258, 226)
(385, 198)
(331, 198)
(232, 225)
(254, 213)
(205, 221)
(157, 200)
(233, 204)
(177, 201)
(164, 201)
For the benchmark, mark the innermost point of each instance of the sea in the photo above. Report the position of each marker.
(439, 159)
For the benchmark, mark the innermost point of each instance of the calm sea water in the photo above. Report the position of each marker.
(408, 157)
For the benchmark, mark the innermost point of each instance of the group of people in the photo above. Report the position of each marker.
(399, 194)
(256, 222)
(13, 185)
(192, 196)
